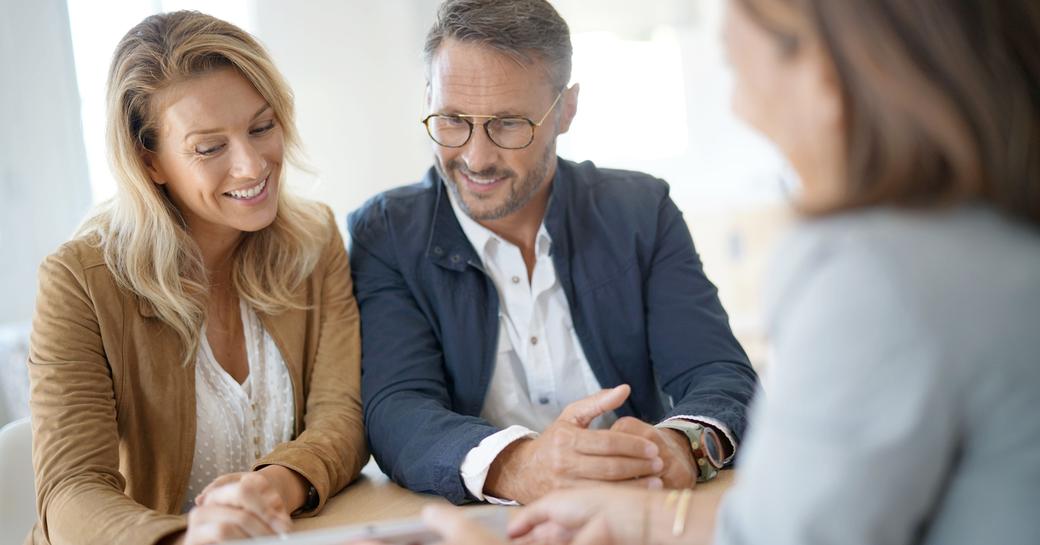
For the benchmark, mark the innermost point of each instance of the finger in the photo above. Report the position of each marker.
(549, 534)
(218, 482)
(583, 411)
(613, 468)
(225, 522)
(455, 528)
(613, 443)
(634, 426)
(253, 493)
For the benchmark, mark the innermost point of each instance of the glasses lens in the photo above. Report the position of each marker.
(511, 132)
(448, 130)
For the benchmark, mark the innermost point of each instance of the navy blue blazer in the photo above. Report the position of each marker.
(642, 308)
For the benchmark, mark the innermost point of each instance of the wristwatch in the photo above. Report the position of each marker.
(705, 444)
(310, 503)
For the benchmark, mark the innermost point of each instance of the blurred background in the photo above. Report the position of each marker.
(654, 88)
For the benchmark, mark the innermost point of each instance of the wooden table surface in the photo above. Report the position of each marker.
(374, 498)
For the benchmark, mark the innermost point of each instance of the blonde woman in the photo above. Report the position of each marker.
(195, 348)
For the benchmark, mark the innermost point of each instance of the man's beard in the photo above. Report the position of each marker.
(520, 191)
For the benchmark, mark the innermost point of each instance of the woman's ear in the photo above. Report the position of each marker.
(151, 166)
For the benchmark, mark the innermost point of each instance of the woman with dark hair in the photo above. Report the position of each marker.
(902, 400)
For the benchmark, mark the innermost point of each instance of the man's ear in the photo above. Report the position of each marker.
(569, 106)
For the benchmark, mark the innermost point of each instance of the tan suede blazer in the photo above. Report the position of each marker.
(113, 406)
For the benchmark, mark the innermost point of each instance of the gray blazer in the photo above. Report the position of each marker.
(902, 402)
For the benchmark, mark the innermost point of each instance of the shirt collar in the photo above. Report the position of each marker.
(484, 240)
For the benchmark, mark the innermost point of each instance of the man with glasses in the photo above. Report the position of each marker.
(530, 323)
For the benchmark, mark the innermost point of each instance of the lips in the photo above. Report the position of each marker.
(249, 192)
(480, 184)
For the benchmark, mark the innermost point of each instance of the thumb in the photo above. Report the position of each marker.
(583, 411)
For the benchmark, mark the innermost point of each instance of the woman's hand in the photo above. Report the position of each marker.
(602, 516)
(238, 506)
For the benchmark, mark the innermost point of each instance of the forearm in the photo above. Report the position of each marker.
(89, 515)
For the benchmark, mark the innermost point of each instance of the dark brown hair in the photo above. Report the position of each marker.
(941, 97)
(525, 30)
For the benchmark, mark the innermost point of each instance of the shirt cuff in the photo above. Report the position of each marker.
(478, 460)
(711, 422)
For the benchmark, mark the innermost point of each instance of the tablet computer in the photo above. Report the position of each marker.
(395, 532)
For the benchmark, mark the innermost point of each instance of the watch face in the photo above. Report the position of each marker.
(712, 447)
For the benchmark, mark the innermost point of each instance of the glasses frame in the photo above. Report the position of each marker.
(468, 118)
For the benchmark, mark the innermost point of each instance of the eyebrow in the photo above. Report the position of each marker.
(258, 113)
(501, 113)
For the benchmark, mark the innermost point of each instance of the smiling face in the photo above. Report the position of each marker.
(220, 152)
(491, 183)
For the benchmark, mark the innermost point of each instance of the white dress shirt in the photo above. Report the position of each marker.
(237, 424)
(540, 366)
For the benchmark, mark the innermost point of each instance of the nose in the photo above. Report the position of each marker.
(480, 152)
(247, 161)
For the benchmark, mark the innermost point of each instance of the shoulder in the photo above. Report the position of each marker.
(402, 207)
(76, 273)
(611, 188)
(933, 272)
(78, 257)
(924, 251)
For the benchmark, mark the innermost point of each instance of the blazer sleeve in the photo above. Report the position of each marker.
(696, 359)
(856, 436)
(415, 434)
(79, 489)
(331, 450)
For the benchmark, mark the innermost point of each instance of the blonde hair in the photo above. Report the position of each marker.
(141, 233)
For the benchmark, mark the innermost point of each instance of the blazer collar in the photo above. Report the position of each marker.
(448, 245)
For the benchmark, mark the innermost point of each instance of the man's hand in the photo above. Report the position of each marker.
(680, 471)
(568, 454)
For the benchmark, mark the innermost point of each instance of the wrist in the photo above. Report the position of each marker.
(662, 518)
(176, 538)
(679, 440)
(504, 476)
(290, 485)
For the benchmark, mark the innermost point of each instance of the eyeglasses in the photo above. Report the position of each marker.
(511, 132)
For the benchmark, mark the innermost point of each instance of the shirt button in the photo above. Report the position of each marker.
(516, 279)
(534, 340)
(543, 400)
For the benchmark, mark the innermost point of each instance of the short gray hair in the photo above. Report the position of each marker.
(525, 30)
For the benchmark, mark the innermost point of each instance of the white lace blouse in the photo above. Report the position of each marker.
(237, 424)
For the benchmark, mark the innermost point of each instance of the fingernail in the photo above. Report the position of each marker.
(658, 464)
(651, 450)
(655, 484)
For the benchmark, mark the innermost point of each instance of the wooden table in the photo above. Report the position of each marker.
(374, 498)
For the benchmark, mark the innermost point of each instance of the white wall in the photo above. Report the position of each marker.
(44, 188)
(357, 72)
